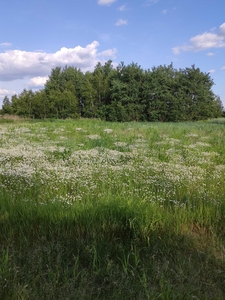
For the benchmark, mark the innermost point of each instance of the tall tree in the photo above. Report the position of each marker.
(198, 93)
(7, 106)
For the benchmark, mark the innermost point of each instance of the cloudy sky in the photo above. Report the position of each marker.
(38, 35)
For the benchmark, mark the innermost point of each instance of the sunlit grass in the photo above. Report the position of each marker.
(97, 210)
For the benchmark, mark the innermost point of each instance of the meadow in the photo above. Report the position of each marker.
(97, 210)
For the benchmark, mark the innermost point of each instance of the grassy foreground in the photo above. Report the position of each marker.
(96, 210)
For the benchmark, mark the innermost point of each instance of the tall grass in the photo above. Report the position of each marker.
(135, 212)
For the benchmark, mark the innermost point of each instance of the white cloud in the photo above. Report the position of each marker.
(122, 8)
(204, 41)
(17, 64)
(150, 2)
(105, 2)
(108, 53)
(222, 30)
(5, 44)
(212, 71)
(4, 92)
(213, 29)
(164, 12)
(38, 81)
(121, 22)
(177, 50)
(223, 68)
(210, 54)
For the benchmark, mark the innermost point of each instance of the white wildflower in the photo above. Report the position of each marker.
(120, 144)
(93, 137)
(108, 130)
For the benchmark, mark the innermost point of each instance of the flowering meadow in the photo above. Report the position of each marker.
(97, 210)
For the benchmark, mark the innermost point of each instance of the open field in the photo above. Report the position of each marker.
(96, 210)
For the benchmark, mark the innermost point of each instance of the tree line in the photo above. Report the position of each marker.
(123, 93)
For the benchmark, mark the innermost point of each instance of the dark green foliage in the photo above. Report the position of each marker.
(125, 93)
(7, 106)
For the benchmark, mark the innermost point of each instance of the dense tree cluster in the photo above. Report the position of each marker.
(124, 93)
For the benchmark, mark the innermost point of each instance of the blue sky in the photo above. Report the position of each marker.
(38, 35)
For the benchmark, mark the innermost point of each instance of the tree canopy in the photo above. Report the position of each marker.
(122, 93)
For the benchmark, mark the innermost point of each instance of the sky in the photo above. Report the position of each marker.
(39, 35)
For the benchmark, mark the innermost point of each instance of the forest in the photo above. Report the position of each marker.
(123, 93)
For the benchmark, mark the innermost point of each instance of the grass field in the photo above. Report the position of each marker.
(97, 210)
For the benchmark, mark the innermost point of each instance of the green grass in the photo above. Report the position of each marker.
(133, 213)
